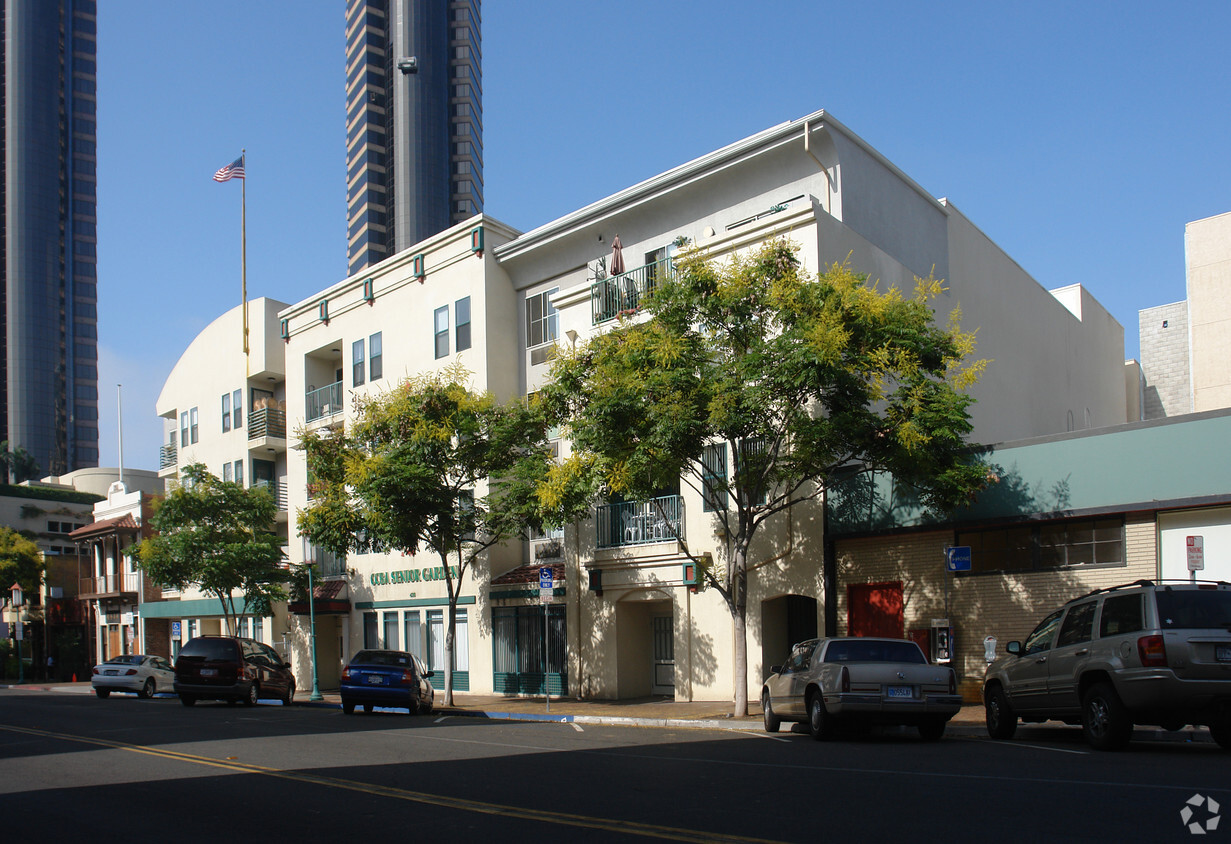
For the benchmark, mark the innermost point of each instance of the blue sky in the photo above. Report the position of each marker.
(1081, 137)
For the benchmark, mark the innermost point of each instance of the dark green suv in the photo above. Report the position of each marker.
(1143, 653)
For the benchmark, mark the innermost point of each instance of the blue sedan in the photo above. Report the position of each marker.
(387, 678)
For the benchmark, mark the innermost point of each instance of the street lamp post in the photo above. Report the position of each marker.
(16, 603)
(316, 692)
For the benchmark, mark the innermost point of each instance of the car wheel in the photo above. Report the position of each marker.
(820, 722)
(103, 692)
(425, 706)
(933, 729)
(1220, 731)
(772, 721)
(187, 700)
(254, 694)
(1104, 719)
(348, 708)
(147, 689)
(289, 697)
(999, 714)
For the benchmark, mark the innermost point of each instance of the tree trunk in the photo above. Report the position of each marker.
(739, 614)
(450, 631)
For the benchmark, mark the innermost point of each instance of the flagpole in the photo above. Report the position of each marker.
(243, 243)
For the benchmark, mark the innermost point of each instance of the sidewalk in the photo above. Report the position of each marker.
(664, 712)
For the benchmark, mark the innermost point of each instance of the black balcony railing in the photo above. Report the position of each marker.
(267, 422)
(621, 294)
(166, 456)
(640, 522)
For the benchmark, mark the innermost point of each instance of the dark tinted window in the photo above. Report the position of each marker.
(395, 658)
(874, 651)
(1194, 609)
(224, 649)
(128, 659)
(1078, 625)
(1121, 614)
(1041, 638)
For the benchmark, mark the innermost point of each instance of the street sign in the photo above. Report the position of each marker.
(175, 629)
(1195, 546)
(957, 558)
(546, 585)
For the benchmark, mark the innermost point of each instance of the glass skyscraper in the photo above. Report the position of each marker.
(48, 234)
(414, 123)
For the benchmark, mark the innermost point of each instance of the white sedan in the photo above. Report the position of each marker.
(144, 675)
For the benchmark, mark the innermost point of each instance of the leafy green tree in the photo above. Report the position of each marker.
(18, 464)
(804, 379)
(215, 535)
(408, 474)
(20, 562)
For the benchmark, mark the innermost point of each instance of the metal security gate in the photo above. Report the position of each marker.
(517, 658)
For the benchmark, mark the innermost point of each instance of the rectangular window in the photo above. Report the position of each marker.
(226, 472)
(463, 324)
(371, 637)
(226, 412)
(750, 469)
(375, 361)
(239, 472)
(542, 323)
(1080, 542)
(356, 363)
(184, 429)
(258, 629)
(242, 628)
(442, 332)
(192, 425)
(412, 635)
(237, 408)
(465, 513)
(391, 631)
(714, 477)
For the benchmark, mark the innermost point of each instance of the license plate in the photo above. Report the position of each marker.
(209, 672)
(375, 679)
(1222, 653)
(111, 673)
(899, 692)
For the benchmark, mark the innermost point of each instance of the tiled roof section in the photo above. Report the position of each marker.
(328, 590)
(119, 523)
(529, 574)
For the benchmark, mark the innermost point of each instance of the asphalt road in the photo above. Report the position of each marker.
(75, 768)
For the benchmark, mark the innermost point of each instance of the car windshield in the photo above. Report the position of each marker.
(210, 649)
(1194, 609)
(874, 651)
(394, 658)
(126, 659)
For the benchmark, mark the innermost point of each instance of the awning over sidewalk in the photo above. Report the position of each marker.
(328, 598)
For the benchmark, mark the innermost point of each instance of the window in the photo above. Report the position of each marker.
(542, 324)
(1080, 542)
(412, 635)
(375, 363)
(242, 628)
(714, 477)
(750, 469)
(1041, 638)
(356, 363)
(237, 408)
(465, 513)
(391, 631)
(226, 472)
(226, 412)
(184, 428)
(1078, 625)
(258, 629)
(436, 641)
(462, 335)
(442, 332)
(1121, 614)
(371, 637)
(192, 425)
(239, 472)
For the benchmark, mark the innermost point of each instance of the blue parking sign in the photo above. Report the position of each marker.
(545, 578)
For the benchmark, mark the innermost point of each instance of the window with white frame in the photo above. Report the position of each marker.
(462, 330)
(542, 322)
(226, 412)
(357, 361)
(375, 357)
(442, 331)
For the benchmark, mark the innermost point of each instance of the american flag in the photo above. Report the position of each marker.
(234, 170)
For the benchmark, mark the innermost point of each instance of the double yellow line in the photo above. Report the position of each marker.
(458, 803)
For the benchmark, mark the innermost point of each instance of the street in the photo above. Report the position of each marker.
(75, 768)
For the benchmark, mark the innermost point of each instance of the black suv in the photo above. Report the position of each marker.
(232, 669)
(1143, 653)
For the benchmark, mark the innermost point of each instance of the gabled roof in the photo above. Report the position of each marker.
(120, 524)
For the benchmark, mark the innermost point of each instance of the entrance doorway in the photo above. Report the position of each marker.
(664, 656)
(875, 609)
(785, 621)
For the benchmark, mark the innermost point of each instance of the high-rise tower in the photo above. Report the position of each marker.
(414, 122)
(48, 236)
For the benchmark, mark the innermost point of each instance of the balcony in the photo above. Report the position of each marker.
(167, 457)
(267, 429)
(620, 295)
(109, 585)
(640, 522)
(277, 489)
(322, 403)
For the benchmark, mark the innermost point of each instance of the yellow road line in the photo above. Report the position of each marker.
(459, 803)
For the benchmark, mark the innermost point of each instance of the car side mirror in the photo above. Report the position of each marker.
(429, 673)
(775, 669)
(286, 665)
(1014, 648)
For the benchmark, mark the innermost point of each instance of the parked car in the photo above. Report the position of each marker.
(233, 669)
(863, 681)
(140, 674)
(1142, 653)
(387, 678)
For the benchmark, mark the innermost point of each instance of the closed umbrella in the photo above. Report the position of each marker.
(617, 256)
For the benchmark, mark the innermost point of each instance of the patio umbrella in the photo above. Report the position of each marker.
(617, 257)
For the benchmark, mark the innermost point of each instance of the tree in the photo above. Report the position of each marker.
(21, 562)
(215, 535)
(18, 464)
(803, 379)
(408, 473)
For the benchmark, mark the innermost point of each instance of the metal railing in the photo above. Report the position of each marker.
(166, 456)
(111, 583)
(323, 402)
(276, 488)
(640, 522)
(267, 422)
(621, 294)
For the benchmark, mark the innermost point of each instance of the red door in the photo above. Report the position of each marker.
(875, 609)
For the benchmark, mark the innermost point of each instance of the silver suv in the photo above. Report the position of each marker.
(1143, 653)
